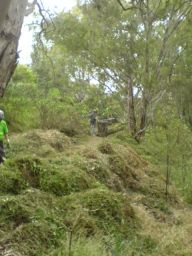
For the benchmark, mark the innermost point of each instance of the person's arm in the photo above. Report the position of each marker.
(6, 134)
(7, 138)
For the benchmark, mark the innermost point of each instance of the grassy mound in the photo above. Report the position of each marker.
(56, 195)
(39, 142)
(36, 221)
(60, 177)
(65, 181)
(12, 181)
(107, 208)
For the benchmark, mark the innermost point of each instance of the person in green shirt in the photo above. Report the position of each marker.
(3, 135)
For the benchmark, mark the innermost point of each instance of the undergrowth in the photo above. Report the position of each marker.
(81, 199)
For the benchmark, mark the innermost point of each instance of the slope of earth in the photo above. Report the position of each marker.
(86, 196)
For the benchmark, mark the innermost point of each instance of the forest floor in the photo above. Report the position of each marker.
(87, 196)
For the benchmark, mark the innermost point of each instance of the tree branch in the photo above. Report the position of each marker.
(30, 7)
(126, 8)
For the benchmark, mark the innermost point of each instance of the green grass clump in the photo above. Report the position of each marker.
(124, 171)
(63, 181)
(106, 148)
(44, 143)
(12, 213)
(90, 153)
(31, 222)
(32, 239)
(30, 169)
(98, 169)
(83, 246)
(12, 181)
(109, 210)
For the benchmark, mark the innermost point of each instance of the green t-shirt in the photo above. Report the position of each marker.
(3, 129)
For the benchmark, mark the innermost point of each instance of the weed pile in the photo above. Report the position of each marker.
(58, 197)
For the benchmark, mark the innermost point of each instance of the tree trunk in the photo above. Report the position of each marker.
(143, 121)
(10, 30)
(131, 108)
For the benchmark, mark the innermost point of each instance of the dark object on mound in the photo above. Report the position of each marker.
(103, 124)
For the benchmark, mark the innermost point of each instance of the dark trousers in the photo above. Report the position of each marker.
(93, 126)
(2, 152)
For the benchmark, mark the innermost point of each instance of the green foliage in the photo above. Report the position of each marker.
(167, 137)
(138, 44)
(24, 74)
(99, 197)
(19, 101)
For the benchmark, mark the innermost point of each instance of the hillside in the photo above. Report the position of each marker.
(87, 196)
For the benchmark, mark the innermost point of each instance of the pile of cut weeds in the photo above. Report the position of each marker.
(73, 190)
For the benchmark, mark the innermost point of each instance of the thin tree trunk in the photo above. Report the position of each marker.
(147, 24)
(143, 121)
(131, 108)
(168, 165)
(167, 176)
(10, 30)
(183, 170)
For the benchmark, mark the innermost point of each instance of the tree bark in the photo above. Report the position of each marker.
(10, 30)
(143, 121)
(131, 108)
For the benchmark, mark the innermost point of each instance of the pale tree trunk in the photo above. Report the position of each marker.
(131, 108)
(143, 121)
(12, 13)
